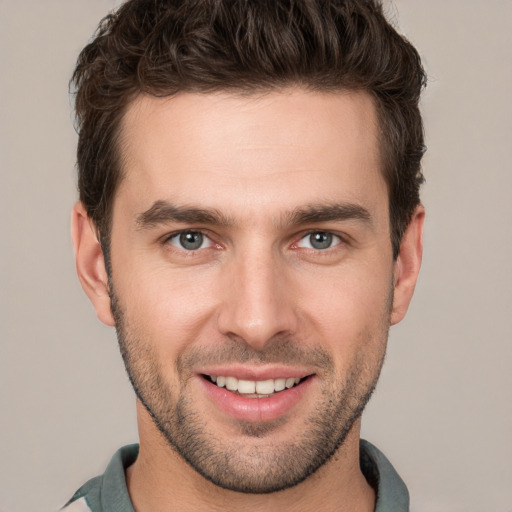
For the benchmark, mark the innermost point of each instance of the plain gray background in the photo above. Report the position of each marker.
(443, 409)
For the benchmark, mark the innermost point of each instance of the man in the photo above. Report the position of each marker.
(249, 221)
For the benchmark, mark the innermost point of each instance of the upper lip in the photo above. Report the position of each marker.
(256, 373)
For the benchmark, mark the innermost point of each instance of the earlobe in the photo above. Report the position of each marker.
(90, 264)
(407, 265)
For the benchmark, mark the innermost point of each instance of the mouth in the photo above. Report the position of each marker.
(257, 394)
(254, 388)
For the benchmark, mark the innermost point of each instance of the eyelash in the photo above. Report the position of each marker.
(321, 232)
(169, 238)
(341, 241)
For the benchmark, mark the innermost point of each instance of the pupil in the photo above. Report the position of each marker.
(321, 240)
(191, 241)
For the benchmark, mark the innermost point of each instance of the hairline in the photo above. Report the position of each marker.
(120, 143)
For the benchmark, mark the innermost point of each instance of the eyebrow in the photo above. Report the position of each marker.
(163, 212)
(316, 213)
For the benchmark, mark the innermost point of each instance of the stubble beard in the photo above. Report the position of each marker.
(253, 463)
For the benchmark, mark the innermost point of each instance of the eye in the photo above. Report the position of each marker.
(190, 240)
(319, 240)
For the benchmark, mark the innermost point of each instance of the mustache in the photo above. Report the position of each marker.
(279, 351)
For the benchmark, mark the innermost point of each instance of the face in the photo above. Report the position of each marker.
(252, 277)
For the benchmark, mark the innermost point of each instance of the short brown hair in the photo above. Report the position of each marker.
(161, 47)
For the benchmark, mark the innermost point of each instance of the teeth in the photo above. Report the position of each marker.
(264, 387)
(247, 387)
(279, 384)
(290, 382)
(232, 383)
(254, 389)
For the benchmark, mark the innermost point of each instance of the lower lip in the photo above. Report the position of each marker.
(256, 409)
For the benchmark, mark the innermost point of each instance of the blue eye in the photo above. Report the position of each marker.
(190, 240)
(319, 240)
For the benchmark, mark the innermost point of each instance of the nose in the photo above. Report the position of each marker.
(257, 300)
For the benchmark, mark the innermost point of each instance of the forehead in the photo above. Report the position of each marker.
(234, 152)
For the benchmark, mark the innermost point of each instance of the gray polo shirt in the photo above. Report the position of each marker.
(108, 492)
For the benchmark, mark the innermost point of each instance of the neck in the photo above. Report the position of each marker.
(160, 480)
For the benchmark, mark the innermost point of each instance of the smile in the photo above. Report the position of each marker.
(254, 388)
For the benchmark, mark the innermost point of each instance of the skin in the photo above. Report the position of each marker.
(257, 290)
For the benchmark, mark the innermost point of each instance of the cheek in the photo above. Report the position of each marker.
(350, 310)
(169, 309)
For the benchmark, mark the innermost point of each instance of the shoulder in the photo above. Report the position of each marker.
(391, 491)
(78, 505)
(87, 498)
(107, 492)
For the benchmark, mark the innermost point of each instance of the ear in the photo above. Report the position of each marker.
(90, 264)
(407, 265)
